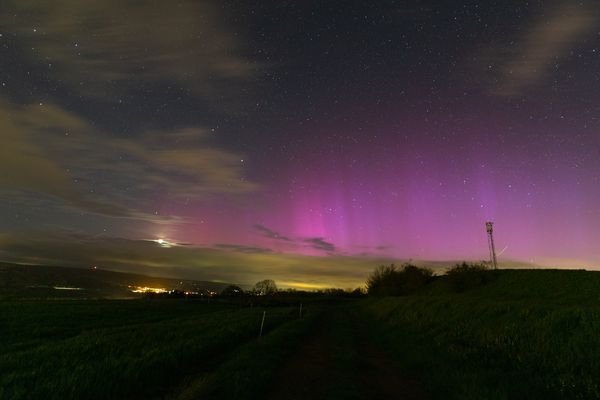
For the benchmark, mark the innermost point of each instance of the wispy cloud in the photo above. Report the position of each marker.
(105, 47)
(271, 234)
(92, 171)
(224, 262)
(237, 263)
(242, 248)
(29, 167)
(318, 243)
(539, 50)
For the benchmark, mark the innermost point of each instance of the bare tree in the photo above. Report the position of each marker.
(265, 287)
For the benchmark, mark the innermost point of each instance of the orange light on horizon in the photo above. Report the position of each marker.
(146, 289)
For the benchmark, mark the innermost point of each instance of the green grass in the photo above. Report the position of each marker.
(118, 349)
(252, 370)
(526, 334)
(522, 334)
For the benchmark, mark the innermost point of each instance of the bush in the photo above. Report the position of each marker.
(463, 277)
(392, 281)
(232, 291)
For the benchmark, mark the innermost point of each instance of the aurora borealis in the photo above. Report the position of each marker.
(302, 141)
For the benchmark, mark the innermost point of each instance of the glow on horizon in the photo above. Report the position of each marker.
(145, 289)
(164, 243)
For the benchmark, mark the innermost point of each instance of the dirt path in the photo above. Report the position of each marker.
(340, 360)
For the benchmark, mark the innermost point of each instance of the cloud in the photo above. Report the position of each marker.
(95, 172)
(228, 263)
(237, 263)
(103, 47)
(538, 51)
(320, 244)
(271, 234)
(181, 163)
(242, 248)
(26, 165)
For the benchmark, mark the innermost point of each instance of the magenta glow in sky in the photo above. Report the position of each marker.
(431, 203)
(306, 142)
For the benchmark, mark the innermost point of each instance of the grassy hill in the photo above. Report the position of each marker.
(524, 334)
(558, 284)
(30, 281)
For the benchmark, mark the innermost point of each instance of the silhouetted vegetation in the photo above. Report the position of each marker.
(232, 291)
(462, 277)
(265, 287)
(392, 281)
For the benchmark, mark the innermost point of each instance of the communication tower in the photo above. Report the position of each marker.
(489, 227)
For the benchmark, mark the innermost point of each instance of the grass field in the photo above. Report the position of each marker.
(121, 349)
(523, 334)
(526, 334)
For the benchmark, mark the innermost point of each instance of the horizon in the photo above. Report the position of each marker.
(307, 143)
(290, 280)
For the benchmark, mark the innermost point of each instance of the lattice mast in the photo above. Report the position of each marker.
(489, 227)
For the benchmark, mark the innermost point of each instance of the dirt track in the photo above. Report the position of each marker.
(340, 360)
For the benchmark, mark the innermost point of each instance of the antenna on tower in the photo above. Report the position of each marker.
(489, 227)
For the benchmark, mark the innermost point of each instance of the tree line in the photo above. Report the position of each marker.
(389, 280)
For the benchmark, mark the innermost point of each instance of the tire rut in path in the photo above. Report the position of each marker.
(340, 360)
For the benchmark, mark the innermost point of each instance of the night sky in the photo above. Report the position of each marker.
(304, 141)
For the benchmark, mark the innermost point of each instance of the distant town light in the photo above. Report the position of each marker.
(145, 289)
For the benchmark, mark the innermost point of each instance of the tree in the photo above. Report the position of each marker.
(392, 281)
(463, 277)
(265, 287)
(232, 290)
(383, 281)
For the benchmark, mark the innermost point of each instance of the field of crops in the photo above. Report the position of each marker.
(525, 334)
(518, 334)
(78, 349)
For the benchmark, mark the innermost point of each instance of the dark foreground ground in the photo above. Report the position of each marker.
(519, 334)
(341, 359)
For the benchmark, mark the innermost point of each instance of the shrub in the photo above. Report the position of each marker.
(463, 277)
(232, 291)
(392, 281)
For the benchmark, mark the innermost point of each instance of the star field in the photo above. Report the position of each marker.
(306, 141)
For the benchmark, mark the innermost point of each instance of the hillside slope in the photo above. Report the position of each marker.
(525, 334)
(51, 281)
